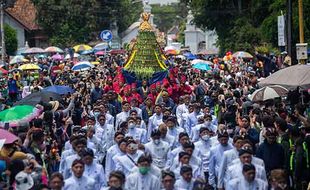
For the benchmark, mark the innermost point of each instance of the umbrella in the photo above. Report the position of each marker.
(17, 114)
(83, 65)
(34, 50)
(171, 52)
(81, 47)
(7, 136)
(21, 50)
(38, 98)
(242, 54)
(57, 57)
(15, 70)
(95, 62)
(41, 56)
(29, 67)
(75, 55)
(168, 48)
(200, 61)
(59, 89)
(181, 57)
(202, 66)
(189, 56)
(268, 92)
(3, 71)
(18, 59)
(87, 52)
(54, 49)
(290, 77)
(101, 46)
(208, 52)
(100, 53)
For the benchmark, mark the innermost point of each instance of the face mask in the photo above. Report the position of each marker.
(208, 123)
(131, 125)
(205, 137)
(156, 141)
(133, 146)
(96, 113)
(144, 170)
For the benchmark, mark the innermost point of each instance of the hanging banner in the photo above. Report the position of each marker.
(281, 31)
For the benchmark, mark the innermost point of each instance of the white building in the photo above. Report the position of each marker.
(198, 40)
(162, 2)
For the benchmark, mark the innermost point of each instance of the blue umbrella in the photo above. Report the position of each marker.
(189, 56)
(59, 89)
(202, 66)
(83, 65)
(86, 52)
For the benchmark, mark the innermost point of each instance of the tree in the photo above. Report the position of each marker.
(67, 21)
(246, 24)
(10, 38)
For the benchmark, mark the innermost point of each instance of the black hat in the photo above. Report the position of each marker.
(165, 173)
(87, 152)
(155, 133)
(77, 161)
(245, 150)
(202, 129)
(189, 145)
(248, 167)
(185, 168)
(222, 133)
(183, 134)
(183, 153)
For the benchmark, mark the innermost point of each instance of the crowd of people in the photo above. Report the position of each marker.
(193, 130)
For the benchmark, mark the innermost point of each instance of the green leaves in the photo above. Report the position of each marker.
(10, 37)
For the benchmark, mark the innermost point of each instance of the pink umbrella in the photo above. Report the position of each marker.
(9, 137)
(57, 57)
(100, 53)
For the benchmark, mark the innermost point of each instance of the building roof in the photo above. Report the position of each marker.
(24, 12)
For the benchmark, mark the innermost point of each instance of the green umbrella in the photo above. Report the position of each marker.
(21, 113)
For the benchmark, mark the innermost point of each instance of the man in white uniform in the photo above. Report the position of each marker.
(78, 181)
(248, 180)
(158, 149)
(143, 179)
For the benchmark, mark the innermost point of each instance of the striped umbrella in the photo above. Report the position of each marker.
(53, 49)
(18, 59)
(268, 92)
(82, 66)
(34, 50)
(242, 54)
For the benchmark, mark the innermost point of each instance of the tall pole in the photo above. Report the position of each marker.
(289, 28)
(301, 22)
(2, 36)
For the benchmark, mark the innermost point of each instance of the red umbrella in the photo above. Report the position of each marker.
(3, 71)
(9, 137)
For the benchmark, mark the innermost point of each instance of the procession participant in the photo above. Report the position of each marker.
(137, 134)
(78, 181)
(121, 117)
(127, 162)
(216, 156)
(158, 149)
(143, 179)
(92, 169)
(247, 180)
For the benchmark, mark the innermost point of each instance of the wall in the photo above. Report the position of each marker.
(19, 29)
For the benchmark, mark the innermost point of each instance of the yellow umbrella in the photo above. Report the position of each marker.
(95, 62)
(29, 66)
(81, 47)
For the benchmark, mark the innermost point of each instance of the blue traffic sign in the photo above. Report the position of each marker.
(106, 35)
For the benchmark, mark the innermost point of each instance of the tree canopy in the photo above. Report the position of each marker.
(68, 22)
(10, 38)
(242, 24)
